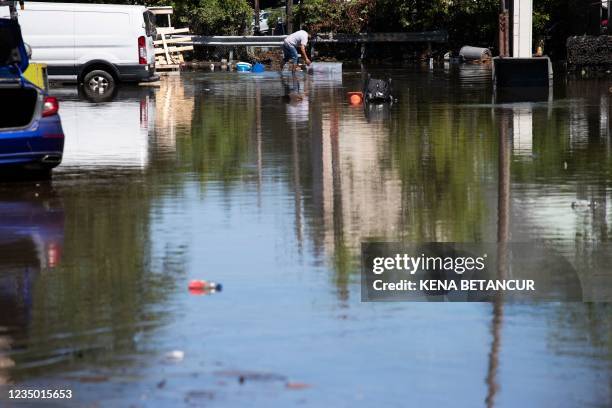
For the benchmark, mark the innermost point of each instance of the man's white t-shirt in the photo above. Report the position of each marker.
(297, 39)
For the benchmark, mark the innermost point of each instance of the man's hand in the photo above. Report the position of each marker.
(304, 55)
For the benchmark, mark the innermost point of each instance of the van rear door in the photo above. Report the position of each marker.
(151, 32)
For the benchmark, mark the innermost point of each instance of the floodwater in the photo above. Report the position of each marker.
(269, 186)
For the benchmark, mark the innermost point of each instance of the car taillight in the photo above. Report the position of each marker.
(54, 254)
(50, 106)
(142, 50)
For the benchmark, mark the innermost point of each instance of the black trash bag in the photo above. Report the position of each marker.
(377, 90)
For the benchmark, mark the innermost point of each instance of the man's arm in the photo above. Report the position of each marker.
(303, 52)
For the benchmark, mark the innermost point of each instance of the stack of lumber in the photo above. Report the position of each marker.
(169, 50)
(595, 51)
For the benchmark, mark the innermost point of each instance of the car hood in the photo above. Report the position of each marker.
(12, 49)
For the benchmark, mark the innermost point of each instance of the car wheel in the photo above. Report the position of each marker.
(99, 82)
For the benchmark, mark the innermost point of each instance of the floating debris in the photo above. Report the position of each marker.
(199, 395)
(202, 287)
(355, 98)
(91, 379)
(175, 356)
(578, 204)
(297, 386)
(244, 376)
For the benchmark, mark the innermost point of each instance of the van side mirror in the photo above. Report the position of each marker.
(28, 50)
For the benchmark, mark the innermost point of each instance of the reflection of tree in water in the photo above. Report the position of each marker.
(571, 163)
(419, 176)
(445, 156)
(218, 146)
(583, 148)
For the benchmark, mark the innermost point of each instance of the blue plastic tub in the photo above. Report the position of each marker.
(243, 67)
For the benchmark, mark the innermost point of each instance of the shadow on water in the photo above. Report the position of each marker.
(270, 185)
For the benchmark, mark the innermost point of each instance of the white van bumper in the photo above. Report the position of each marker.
(136, 73)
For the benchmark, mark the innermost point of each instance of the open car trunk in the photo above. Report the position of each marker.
(18, 108)
(18, 102)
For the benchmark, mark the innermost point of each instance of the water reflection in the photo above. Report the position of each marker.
(31, 243)
(113, 133)
(269, 185)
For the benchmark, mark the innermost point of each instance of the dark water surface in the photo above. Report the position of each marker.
(234, 179)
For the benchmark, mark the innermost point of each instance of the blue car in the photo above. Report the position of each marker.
(31, 135)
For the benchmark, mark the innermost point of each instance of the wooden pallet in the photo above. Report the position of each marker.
(169, 49)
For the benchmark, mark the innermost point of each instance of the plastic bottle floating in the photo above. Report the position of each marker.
(202, 287)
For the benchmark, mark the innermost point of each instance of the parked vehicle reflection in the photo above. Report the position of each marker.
(31, 243)
(107, 134)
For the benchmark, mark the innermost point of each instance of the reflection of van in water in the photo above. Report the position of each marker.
(94, 44)
(95, 142)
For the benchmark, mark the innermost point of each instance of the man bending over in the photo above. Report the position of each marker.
(291, 45)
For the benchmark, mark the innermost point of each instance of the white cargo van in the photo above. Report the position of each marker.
(94, 44)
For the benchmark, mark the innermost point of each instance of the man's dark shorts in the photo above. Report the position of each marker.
(290, 53)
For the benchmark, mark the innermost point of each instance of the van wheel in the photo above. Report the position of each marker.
(99, 82)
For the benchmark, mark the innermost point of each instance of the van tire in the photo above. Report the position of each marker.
(99, 82)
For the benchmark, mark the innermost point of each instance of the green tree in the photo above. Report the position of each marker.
(214, 17)
(206, 17)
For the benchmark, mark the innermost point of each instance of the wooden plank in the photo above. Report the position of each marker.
(172, 30)
(161, 10)
(174, 40)
(165, 50)
(173, 49)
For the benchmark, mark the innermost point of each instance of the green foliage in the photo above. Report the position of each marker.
(356, 16)
(335, 15)
(214, 17)
(408, 15)
(206, 17)
(467, 21)
(275, 15)
(473, 22)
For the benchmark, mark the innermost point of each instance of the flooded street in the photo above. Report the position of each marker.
(235, 178)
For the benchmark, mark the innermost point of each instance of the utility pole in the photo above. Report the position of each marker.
(504, 30)
(257, 28)
(289, 16)
(522, 29)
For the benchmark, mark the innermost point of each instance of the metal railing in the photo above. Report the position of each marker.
(277, 40)
(233, 40)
